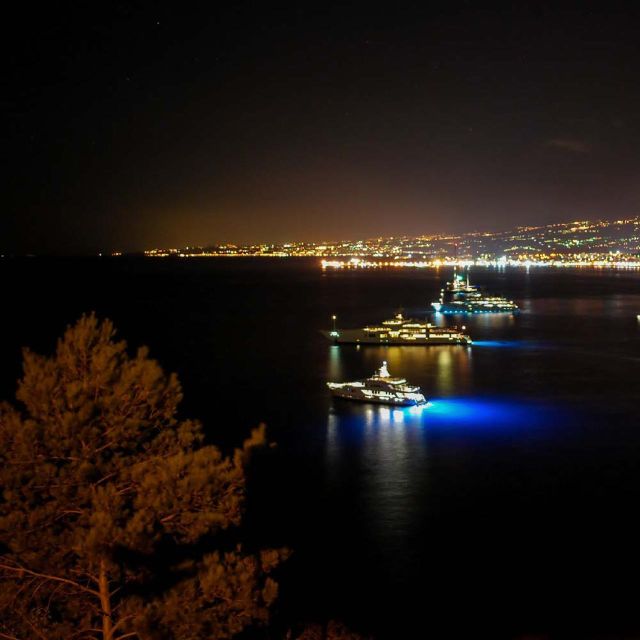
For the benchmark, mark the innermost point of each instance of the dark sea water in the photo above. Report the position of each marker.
(509, 507)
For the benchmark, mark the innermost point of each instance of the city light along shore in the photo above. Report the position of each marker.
(600, 243)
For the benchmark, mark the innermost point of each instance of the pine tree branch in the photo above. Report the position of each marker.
(126, 489)
(121, 622)
(103, 447)
(33, 627)
(88, 574)
(68, 512)
(25, 587)
(87, 630)
(104, 478)
(49, 521)
(19, 570)
(116, 590)
(51, 595)
(34, 593)
(168, 518)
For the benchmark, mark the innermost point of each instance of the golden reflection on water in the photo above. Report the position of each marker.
(439, 371)
(390, 459)
(334, 368)
(386, 432)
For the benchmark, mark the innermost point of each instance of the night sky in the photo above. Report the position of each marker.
(133, 125)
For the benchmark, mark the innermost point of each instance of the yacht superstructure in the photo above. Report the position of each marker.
(380, 388)
(459, 296)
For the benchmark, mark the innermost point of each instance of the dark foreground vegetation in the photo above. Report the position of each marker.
(117, 518)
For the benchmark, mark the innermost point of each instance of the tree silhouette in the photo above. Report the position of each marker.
(332, 630)
(110, 505)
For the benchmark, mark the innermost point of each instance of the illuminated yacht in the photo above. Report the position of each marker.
(399, 330)
(459, 296)
(380, 388)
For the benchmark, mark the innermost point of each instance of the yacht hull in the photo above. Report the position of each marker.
(358, 336)
(459, 309)
(392, 402)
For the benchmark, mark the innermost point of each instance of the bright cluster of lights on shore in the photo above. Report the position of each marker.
(359, 263)
(600, 243)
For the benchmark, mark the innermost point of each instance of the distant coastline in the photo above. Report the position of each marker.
(597, 243)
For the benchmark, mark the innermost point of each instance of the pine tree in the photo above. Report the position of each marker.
(110, 505)
(332, 630)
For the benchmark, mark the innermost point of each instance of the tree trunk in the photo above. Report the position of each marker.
(105, 602)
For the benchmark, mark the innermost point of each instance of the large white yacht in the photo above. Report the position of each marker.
(460, 296)
(399, 330)
(381, 388)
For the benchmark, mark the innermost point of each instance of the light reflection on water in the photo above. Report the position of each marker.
(395, 457)
(508, 344)
(406, 464)
(444, 370)
(483, 413)
(391, 456)
(480, 414)
(335, 363)
(446, 375)
(388, 450)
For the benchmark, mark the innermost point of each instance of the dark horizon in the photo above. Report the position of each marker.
(140, 125)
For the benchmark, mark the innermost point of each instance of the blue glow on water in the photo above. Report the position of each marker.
(480, 412)
(513, 344)
(504, 344)
(477, 414)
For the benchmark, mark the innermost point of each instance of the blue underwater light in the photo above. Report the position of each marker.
(475, 414)
(503, 344)
(481, 413)
(510, 344)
